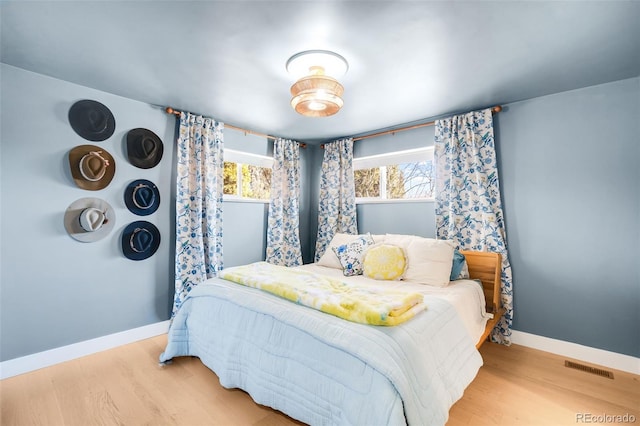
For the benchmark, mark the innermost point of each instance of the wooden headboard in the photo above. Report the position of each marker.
(486, 267)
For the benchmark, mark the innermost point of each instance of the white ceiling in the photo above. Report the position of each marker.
(408, 60)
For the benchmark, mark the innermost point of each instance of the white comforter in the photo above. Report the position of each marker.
(321, 369)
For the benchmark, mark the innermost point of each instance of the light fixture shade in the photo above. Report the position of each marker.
(333, 64)
(317, 93)
(317, 96)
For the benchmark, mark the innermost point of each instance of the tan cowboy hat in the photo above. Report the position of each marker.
(89, 219)
(92, 167)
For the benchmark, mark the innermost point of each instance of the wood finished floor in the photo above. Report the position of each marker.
(126, 386)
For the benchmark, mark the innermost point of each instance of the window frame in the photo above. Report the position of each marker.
(240, 158)
(391, 158)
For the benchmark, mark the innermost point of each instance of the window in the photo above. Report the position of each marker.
(396, 176)
(247, 176)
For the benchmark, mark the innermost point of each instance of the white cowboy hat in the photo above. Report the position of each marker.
(89, 219)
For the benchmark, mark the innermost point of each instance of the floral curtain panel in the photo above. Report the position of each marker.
(337, 206)
(468, 205)
(199, 191)
(283, 234)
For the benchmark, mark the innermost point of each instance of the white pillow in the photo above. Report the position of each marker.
(399, 240)
(329, 258)
(429, 260)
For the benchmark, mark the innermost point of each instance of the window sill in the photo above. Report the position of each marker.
(232, 199)
(394, 201)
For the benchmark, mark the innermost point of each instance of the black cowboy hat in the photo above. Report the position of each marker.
(92, 120)
(144, 148)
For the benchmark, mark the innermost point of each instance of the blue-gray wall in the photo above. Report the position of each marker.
(56, 291)
(570, 178)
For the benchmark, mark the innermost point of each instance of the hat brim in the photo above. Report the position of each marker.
(128, 198)
(72, 219)
(76, 154)
(126, 240)
(132, 153)
(78, 120)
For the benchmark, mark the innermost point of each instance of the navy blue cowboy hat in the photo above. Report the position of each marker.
(142, 197)
(144, 148)
(92, 120)
(140, 240)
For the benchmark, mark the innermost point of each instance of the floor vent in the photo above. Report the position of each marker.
(587, 369)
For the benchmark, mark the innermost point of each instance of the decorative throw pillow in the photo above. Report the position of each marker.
(384, 262)
(350, 254)
(329, 258)
(458, 263)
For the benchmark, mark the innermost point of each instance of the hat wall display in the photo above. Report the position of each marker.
(140, 240)
(92, 120)
(89, 219)
(142, 197)
(144, 148)
(91, 167)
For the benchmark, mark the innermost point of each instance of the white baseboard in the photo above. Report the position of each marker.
(614, 360)
(28, 363)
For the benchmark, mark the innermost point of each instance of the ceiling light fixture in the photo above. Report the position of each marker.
(317, 93)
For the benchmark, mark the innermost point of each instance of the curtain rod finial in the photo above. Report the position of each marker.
(497, 108)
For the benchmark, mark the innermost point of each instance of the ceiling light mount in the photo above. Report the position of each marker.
(317, 93)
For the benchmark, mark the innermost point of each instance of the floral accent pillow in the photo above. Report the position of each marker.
(385, 262)
(350, 255)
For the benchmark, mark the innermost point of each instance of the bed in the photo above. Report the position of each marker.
(322, 369)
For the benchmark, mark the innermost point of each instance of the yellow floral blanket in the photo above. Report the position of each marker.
(346, 300)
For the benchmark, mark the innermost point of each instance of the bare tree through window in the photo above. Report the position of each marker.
(397, 180)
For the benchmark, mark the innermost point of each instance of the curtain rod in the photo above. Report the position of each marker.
(494, 110)
(175, 112)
